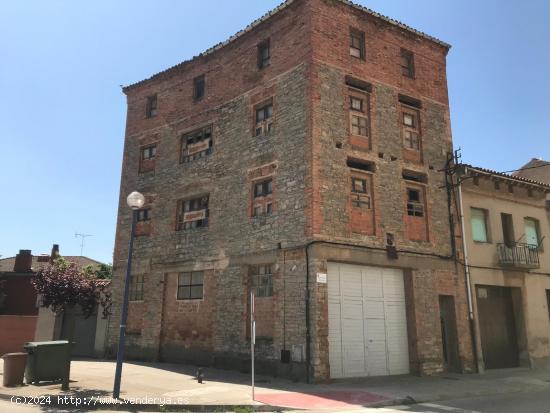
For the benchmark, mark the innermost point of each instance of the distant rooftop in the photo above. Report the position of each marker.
(275, 11)
(483, 171)
(6, 264)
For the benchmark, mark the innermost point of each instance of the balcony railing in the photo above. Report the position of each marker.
(518, 255)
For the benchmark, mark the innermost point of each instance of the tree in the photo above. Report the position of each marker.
(100, 271)
(63, 286)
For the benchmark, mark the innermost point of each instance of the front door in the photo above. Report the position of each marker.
(497, 327)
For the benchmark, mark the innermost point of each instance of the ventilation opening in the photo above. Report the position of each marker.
(362, 165)
(358, 84)
(407, 100)
(415, 176)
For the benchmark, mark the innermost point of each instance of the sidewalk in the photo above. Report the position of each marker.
(92, 380)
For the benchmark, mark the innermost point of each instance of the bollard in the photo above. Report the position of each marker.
(200, 375)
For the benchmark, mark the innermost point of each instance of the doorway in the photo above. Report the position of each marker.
(497, 326)
(449, 335)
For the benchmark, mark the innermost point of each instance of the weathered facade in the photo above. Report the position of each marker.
(301, 159)
(506, 228)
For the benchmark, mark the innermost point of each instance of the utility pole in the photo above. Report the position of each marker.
(83, 237)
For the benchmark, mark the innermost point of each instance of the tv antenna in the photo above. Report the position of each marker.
(83, 236)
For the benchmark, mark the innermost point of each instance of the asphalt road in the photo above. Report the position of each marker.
(524, 402)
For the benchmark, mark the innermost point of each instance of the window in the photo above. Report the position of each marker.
(148, 152)
(262, 280)
(508, 229)
(360, 196)
(407, 63)
(411, 129)
(264, 54)
(198, 87)
(532, 232)
(359, 125)
(151, 107)
(263, 120)
(196, 144)
(359, 121)
(143, 215)
(357, 44)
(192, 213)
(415, 204)
(478, 217)
(147, 156)
(263, 198)
(190, 285)
(136, 288)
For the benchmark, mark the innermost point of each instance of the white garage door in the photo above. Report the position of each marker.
(367, 321)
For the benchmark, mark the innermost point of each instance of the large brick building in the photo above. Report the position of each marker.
(301, 158)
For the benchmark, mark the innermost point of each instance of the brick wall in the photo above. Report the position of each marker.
(16, 331)
(306, 156)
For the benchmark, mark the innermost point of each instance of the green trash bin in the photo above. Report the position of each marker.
(48, 361)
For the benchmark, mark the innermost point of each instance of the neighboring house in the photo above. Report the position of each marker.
(508, 254)
(28, 321)
(536, 169)
(300, 159)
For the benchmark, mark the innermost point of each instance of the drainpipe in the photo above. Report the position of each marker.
(473, 332)
(308, 332)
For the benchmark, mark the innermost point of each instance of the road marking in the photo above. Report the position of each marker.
(446, 408)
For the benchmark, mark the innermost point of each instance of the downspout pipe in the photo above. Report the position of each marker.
(308, 317)
(469, 298)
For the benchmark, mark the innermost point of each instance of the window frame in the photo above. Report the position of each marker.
(414, 129)
(263, 200)
(416, 208)
(151, 107)
(486, 225)
(358, 35)
(184, 143)
(143, 215)
(262, 61)
(264, 127)
(361, 199)
(408, 68)
(536, 223)
(180, 286)
(181, 224)
(152, 149)
(261, 272)
(135, 288)
(359, 119)
(199, 84)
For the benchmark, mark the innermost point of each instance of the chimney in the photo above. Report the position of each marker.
(55, 253)
(23, 261)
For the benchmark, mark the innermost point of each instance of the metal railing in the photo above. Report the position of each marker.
(518, 255)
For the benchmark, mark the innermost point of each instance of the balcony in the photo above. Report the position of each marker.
(518, 255)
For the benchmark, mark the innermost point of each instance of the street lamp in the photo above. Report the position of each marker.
(135, 201)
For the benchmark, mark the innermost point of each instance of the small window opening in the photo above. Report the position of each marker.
(362, 165)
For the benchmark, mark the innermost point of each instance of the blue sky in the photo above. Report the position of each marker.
(62, 112)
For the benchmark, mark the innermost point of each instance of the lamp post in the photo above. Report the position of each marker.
(135, 201)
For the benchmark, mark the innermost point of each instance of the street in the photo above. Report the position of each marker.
(524, 402)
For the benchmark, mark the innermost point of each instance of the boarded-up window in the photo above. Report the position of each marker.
(196, 144)
(478, 218)
(192, 213)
